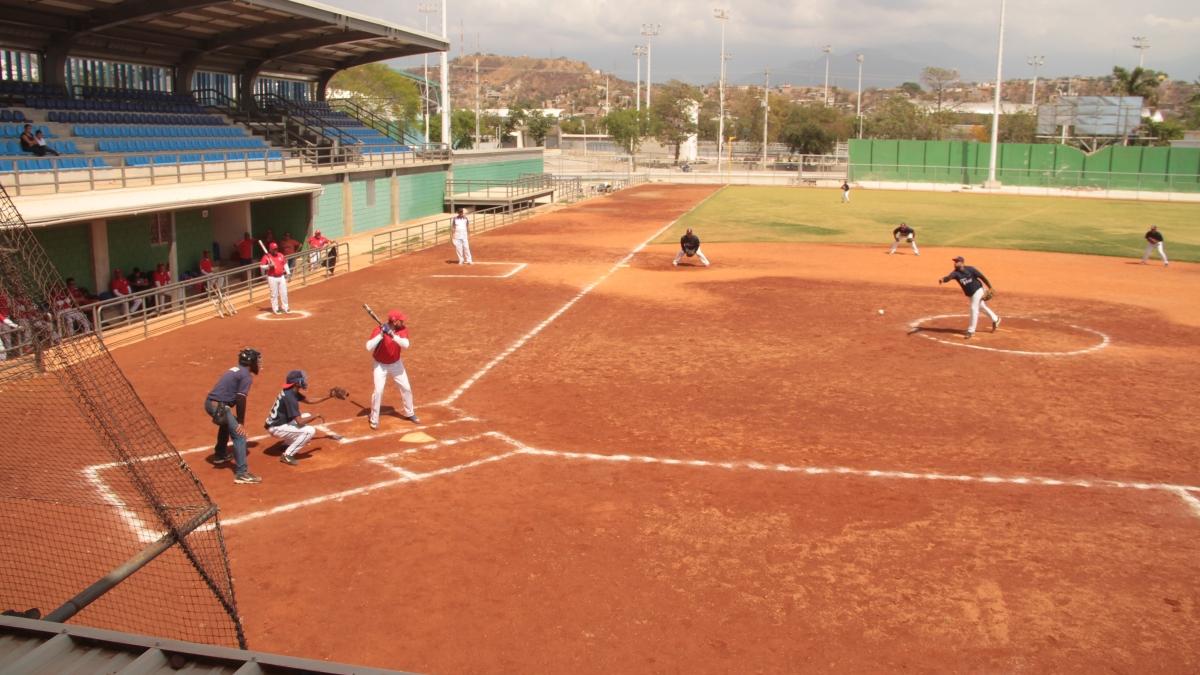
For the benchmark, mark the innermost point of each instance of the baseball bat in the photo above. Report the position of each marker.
(263, 247)
(372, 313)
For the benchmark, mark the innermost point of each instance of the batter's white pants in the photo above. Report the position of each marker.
(279, 298)
(398, 375)
(463, 248)
(679, 256)
(897, 243)
(977, 303)
(1152, 247)
(296, 437)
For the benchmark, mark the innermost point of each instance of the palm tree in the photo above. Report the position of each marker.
(1138, 82)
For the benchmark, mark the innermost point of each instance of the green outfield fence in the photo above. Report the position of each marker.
(1025, 164)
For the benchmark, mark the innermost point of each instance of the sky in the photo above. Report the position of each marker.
(897, 38)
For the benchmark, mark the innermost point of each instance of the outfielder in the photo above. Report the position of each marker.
(228, 395)
(845, 192)
(275, 265)
(969, 279)
(1154, 242)
(284, 421)
(905, 233)
(386, 343)
(689, 245)
(459, 227)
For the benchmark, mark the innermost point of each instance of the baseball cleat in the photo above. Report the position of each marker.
(246, 479)
(374, 425)
(995, 325)
(290, 461)
(969, 335)
(219, 459)
(412, 418)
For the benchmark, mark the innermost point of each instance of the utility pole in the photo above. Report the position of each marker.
(649, 30)
(858, 106)
(766, 106)
(827, 49)
(991, 181)
(1036, 62)
(1141, 43)
(606, 108)
(445, 78)
(426, 8)
(477, 106)
(638, 52)
(721, 15)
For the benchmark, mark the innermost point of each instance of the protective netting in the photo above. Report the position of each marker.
(88, 481)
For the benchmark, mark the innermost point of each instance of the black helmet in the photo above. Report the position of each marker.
(250, 358)
(298, 379)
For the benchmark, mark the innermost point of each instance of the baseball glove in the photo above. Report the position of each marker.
(339, 393)
(988, 295)
(690, 251)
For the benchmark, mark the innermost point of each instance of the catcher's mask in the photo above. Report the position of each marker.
(250, 358)
(298, 379)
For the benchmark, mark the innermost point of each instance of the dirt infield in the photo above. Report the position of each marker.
(631, 467)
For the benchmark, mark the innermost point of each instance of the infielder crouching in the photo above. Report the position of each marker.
(285, 422)
(904, 233)
(386, 344)
(689, 245)
(972, 281)
(1154, 242)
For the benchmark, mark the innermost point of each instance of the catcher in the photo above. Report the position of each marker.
(904, 233)
(972, 283)
(689, 245)
(287, 423)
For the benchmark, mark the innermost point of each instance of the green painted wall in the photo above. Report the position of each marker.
(374, 215)
(281, 215)
(129, 245)
(193, 234)
(508, 170)
(422, 194)
(1048, 165)
(70, 249)
(329, 212)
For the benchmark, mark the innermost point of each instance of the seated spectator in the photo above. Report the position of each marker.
(29, 143)
(288, 246)
(140, 281)
(245, 250)
(162, 277)
(66, 307)
(315, 243)
(120, 287)
(42, 149)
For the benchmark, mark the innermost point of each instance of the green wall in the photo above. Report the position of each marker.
(1048, 165)
(329, 219)
(193, 234)
(371, 216)
(281, 215)
(70, 249)
(422, 194)
(508, 170)
(129, 245)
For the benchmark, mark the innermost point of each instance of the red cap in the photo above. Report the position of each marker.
(959, 258)
(397, 315)
(272, 246)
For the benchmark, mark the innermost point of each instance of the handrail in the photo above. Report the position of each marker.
(390, 128)
(314, 123)
(430, 233)
(512, 188)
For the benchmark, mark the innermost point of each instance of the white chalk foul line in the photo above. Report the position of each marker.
(916, 327)
(517, 268)
(462, 389)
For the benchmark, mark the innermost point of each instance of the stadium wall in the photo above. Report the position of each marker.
(1042, 165)
(496, 165)
(70, 248)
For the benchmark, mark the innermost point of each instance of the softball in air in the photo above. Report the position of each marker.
(881, 312)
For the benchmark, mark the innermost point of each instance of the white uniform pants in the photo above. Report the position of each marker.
(977, 303)
(296, 437)
(8, 336)
(1155, 247)
(913, 242)
(463, 248)
(279, 298)
(74, 322)
(132, 305)
(699, 254)
(396, 372)
(845, 196)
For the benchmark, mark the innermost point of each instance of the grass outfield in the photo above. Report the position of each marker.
(1062, 224)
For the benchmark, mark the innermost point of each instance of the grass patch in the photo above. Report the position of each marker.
(1058, 224)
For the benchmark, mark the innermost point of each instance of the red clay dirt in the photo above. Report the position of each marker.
(741, 468)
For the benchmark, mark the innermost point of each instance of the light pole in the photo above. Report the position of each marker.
(1141, 43)
(649, 30)
(445, 77)
(426, 8)
(1036, 62)
(991, 181)
(827, 49)
(721, 15)
(858, 105)
(766, 106)
(638, 52)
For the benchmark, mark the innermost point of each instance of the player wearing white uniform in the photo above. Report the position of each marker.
(904, 233)
(460, 230)
(1154, 242)
(845, 192)
(275, 265)
(972, 280)
(385, 345)
(285, 421)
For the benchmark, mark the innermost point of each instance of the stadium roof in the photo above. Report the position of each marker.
(287, 36)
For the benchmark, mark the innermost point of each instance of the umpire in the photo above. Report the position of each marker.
(689, 245)
(228, 395)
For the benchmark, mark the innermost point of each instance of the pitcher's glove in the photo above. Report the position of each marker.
(339, 393)
(988, 295)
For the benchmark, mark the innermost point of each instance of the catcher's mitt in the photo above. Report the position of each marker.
(339, 393)
(988, 295)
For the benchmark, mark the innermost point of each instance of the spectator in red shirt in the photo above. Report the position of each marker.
(288, 246)
(206, 265)
(66, 308)
(315, 243)
(245, 250)
(120, 286)
(162, 277)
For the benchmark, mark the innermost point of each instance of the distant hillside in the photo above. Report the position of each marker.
(505, 81)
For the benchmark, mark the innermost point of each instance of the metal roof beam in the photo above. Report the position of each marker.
(309, 44)
(139, 11)
(381, 55)
(264, 30)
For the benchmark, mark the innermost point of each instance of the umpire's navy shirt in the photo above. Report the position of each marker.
(236, 380)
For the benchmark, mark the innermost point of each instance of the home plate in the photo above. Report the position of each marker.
(452, 455)
(417, 437)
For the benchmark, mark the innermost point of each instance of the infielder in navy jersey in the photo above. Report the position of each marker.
(972, 282)
(226, 405)
(285, 421)
(904, 233)
(1154, 242)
